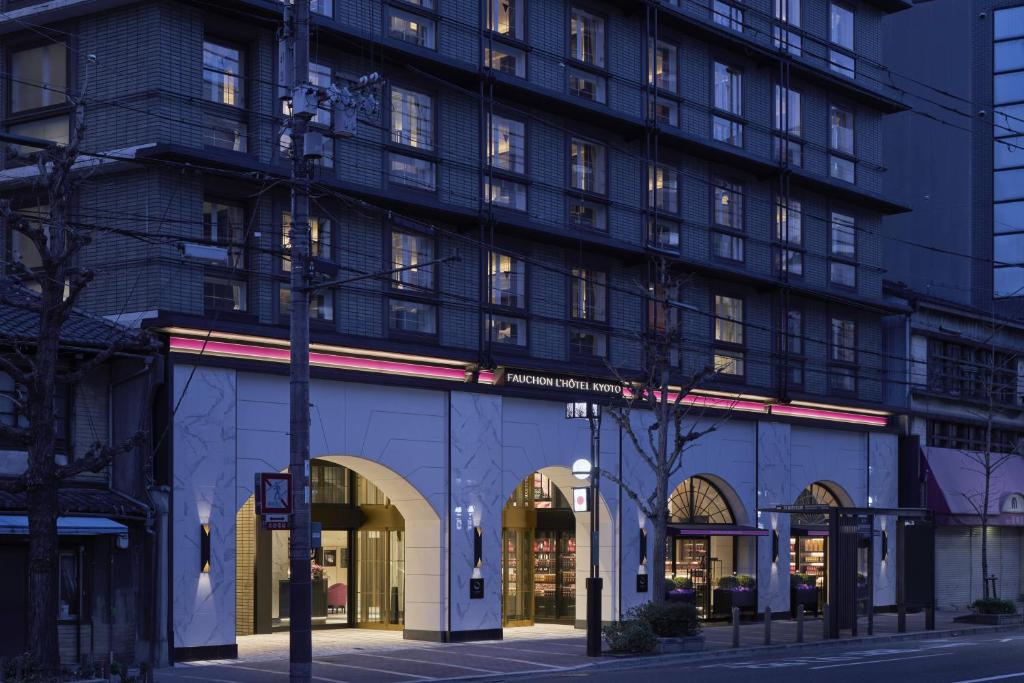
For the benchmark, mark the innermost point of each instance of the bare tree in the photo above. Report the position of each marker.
(677, 419)
(35, 366)
(988, 462)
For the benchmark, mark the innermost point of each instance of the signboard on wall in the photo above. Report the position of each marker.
(580, 499)
(1014, 504)
(577, 384)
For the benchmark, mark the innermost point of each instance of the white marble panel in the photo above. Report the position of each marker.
(204, 492)
(775, 488)
(884, 464)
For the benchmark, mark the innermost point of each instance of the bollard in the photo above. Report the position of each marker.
(767, 625)
(901, 618)
(735, 626)
(799, 623)
(825, 613)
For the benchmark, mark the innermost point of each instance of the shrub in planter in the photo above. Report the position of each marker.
(801, 581)
(668, 620)
(994, 606)
(631, 635)
(684, 583)
(681, 590)
(746, 582)
(728, 583)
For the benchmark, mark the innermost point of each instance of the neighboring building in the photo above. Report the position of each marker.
(555, 148)
(958, 160)
(106, 563)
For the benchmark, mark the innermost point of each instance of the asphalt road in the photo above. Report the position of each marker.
(999, 657)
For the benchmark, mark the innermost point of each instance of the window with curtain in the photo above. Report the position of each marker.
(412, 127)
(841, 32)
(726, 123)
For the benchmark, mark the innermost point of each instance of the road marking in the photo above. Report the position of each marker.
(380, 671)
(1019, 674)
(880, 661)
(510, 659)
(205, 678)
(285, 673)
(520, 649)
(406, 658)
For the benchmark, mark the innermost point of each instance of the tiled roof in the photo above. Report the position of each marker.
(19, 321)
(81, 499)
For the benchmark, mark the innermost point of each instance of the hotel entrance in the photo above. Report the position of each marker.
(357, 575)
(808, 546)
(538, 566)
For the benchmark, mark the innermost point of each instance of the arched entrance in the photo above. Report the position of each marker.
(367, 514)
(706, 540)
(538, 559)
(808, 542)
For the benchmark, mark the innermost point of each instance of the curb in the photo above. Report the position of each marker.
(640, 661)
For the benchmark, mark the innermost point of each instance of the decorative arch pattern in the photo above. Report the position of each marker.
(698, 501)
(815, 494)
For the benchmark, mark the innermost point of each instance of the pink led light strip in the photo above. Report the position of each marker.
(710, 401)
(830, 415)
(279, 355)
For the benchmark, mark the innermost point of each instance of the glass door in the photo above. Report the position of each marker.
(567, 576)
(517, 577)
(545, 575)
(380, 578)
(691, 562)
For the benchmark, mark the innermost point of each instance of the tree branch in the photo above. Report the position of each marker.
(98, 456)
(14, 485)
(644, 508)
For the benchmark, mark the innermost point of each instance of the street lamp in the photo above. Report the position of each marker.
(592, 413)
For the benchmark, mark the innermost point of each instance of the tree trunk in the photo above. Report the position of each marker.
(984, 526)
(656, 568)
(43, 579)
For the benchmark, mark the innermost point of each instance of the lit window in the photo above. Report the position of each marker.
(728, 104)
(841, 35)
(727, 212)
(729, 330)
(319, 235)
(222, 74)
(414, 254)
(787, 13)
(662, 61)
(841, 144)
(412, 126)
(587, 46)
(411, 28)
(727, 13)
(507, 144)
(662, 189)
(588, 166)
(507, 281)
(224, 286)
(589, 295)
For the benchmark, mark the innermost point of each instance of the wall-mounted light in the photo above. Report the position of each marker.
(643, 549)
(885, 545)
(775, 545)
(204, 548)
(478, 549)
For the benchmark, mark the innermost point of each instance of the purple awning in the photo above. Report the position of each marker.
(956, 485)
(714, 530)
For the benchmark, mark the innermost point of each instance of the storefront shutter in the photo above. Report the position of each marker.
(1008, 586)
(955, 572)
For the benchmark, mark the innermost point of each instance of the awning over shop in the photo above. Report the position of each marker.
(956, 486)
(17, 525)
(714, 530)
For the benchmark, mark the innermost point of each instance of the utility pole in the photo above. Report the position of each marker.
(594, 580)
(300, 661)
(306, 145)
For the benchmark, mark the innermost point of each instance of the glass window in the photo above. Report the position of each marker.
(505, 17)
(794, 331)
(727, 246)
(1009, 87)
(663, 234)
(319, 235)
(225, 132)
(587, 85)
(589, 295)
(588, 214)
(728, 208)
(56, 129)
(728, 89)
(507, 60)
(841, 34)
(586, 37)
(224, 224)
(1009, 120)
(222, 74)
(416, 173)
(789, 221)
(507, 330)
(1009, 217)
(728, 319)
(224, 294)
(412, 316)
(787, 12)
(844, 340)
(728, 97)
(414, 253)
(1008, 282)
(321, 304)
(843, 245)
(505, 193)
(1010, 55)
(662, 188)
(411, 28)
(840, 129)
(728, 14)
(588, 343)
(1009, 152)
(587, 166)
(663, 65)
(507, 280)
(412, 119)
(665, 112)
(1009, 184)
(1009, 250)
(507, 144)
(1009, 23)
(727, 362)
(788, 119)
(70, 587)
(39, 77)
(23, 249)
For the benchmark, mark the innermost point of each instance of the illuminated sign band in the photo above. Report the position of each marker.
(265, 349)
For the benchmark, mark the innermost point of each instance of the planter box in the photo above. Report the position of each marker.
(991, 619)
(668, 646)
(686, 598)
(725, 600)
(808, 597)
